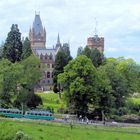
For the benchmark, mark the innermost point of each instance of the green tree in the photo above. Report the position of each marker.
(9, 79)
(95, 55)
(17, 82)
(79, 51)
(13, 46)
(79, 84)
(131, 72)
(104, 91)
(26, 50)
(61, 60)
(31, 75)
(118, 84)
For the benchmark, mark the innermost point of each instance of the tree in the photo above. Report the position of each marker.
(119, 89)
(131, 72)
(105, 96)
(9, 79)
(87, 51)
(79, 84)
(95, 55)
(26, 50)
(17, 82)
(31, 76)
(79, 51)
(13, 46)
(61, 60)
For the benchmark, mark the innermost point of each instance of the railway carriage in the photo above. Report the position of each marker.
(42, 115)
(12, 113)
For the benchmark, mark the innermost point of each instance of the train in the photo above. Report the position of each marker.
(32, 114)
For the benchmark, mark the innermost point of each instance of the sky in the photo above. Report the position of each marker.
(118, 22)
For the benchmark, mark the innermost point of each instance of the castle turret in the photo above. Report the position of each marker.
(58, 44)
(37, 34)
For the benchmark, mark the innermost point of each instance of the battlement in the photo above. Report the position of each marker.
(96, 43)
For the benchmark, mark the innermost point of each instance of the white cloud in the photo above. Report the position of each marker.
(118, 22)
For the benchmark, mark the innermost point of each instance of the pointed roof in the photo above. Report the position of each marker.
(58, 39)
(37, 24)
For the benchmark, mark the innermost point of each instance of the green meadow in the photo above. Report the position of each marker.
(43, 130)
(52, 100)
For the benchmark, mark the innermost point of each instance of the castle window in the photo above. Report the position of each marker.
(41, 57)
(48, 74)
(50, 57)
(48, 65)
(46, 56)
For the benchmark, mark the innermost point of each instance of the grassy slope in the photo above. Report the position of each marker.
(56, 131)
(135, 100)
(52, 100)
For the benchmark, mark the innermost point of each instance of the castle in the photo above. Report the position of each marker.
(37, 37)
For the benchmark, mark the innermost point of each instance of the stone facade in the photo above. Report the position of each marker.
(37, 37)
(96, 43)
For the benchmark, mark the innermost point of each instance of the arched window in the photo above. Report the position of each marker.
(48, 65)
(48, 74)
(50, 57)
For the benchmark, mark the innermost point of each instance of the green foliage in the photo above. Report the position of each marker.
(104, 91)
(79, 51)
(95, 55)
(17, 82)
(62, 58)
(13, 46)
(31, 71)
(9, 79)
(131, 72)
(26, 50)
(118, 84)
(79, 84)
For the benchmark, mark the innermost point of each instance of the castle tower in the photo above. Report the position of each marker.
(37, 34)
(96, 42)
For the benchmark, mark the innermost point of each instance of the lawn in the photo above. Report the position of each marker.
(135, 100)
(52, 100)
(56, 131)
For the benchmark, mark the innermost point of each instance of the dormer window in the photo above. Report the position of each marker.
(41, 56)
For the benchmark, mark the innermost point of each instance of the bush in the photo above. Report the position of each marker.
(21, 136)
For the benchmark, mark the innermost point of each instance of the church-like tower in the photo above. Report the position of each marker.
(37, 34)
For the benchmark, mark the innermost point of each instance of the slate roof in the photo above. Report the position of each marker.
(45, 51)
(37, 24)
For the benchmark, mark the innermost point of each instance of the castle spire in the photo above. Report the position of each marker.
(58, 39)
(58, 44)
(95, 30)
